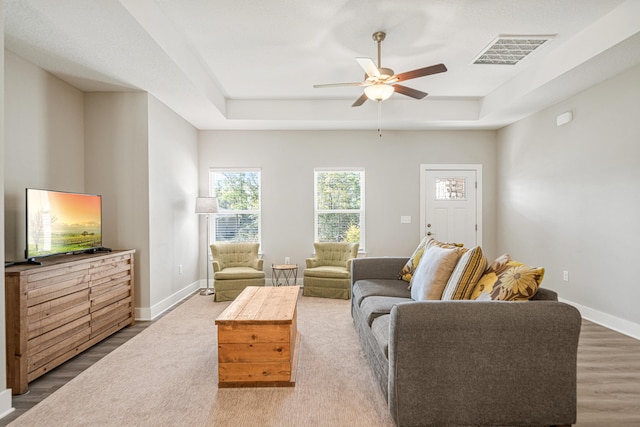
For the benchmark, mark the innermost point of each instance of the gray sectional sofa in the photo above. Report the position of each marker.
(472, 363)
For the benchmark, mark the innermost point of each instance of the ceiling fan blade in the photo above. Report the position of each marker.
(360, 100)
(413, 93)
(342, 84)
(369, 67)
(420, 72)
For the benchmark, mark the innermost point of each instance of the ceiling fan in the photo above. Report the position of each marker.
(380, 83)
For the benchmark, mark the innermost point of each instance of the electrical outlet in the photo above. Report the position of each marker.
(180, 269)
(287, 260)
(565, 276)
(405, 220)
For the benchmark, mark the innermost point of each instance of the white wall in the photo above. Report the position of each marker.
(392, 174)
(141, 157)
(5, 393)
(173, 188)
(44, 142)
(569, 198)
(117, 165)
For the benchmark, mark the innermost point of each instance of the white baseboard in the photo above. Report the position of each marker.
(150, 313)
(617, 324)
(5, 403)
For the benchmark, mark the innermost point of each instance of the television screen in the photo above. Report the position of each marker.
(59, 222)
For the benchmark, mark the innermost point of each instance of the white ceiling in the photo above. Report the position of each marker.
(252, 64)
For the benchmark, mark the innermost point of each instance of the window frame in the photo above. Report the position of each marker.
(361, 211)
(212, 193)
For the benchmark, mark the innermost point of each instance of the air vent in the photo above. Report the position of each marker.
(509, 50)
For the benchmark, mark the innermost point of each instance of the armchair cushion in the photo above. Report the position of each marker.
(238, 273)
(328, 271)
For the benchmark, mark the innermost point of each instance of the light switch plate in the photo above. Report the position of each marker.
(405, 220)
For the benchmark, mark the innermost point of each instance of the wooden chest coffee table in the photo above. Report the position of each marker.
(258, 338)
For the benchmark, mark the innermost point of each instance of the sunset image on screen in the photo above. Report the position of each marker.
(62, 222)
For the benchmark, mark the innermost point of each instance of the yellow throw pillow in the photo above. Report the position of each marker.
(490, 276)
(412, 264)
(517, 283)
(465, 276)
(509, 280)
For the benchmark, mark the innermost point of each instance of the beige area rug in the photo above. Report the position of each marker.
(167, 376)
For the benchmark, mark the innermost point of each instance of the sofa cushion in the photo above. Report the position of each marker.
(380, 330)
(433, 272)
(327, 271)
(376, 306)
(464, 277)
(379, 287)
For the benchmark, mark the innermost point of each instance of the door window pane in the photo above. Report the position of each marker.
(451, 189)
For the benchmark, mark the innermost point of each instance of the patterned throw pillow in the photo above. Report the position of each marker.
(509, 280)
(433, 272)
(490, 276)
(468, 271)
(412, 264)
(517, 283)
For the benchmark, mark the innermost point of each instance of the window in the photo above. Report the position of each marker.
(238, 193)
(339, 206)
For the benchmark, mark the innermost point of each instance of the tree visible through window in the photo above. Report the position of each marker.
(339, 206)
(238, 193)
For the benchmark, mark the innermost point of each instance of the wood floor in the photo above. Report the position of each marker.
(608, 376)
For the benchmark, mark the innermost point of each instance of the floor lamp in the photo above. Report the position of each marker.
(207, 206)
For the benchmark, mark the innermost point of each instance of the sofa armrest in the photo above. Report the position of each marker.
(257, 264)
(376, 268)
(472, 362)
(311, 262)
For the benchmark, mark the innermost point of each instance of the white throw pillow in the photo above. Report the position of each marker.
(433, 272)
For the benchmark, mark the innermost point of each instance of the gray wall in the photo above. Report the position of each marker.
(392, 176)
(569, 198)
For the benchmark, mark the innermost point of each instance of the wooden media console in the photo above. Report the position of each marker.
(64, 306)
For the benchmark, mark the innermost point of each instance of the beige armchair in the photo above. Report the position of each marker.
(328, 273)
(235, 266)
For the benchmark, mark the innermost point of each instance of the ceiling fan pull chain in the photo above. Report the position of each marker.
(380, 119)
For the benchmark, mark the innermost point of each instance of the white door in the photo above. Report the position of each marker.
(451, 203)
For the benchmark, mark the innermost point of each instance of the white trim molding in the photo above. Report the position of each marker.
(617, 324)
(150, 313)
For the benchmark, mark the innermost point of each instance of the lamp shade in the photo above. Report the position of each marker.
(206, 205)
(378, 92)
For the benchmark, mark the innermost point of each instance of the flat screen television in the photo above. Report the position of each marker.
(61, 223)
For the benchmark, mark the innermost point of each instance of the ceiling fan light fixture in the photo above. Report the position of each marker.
(378, 92)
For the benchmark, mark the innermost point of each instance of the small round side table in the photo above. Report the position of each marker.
(283, 274)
